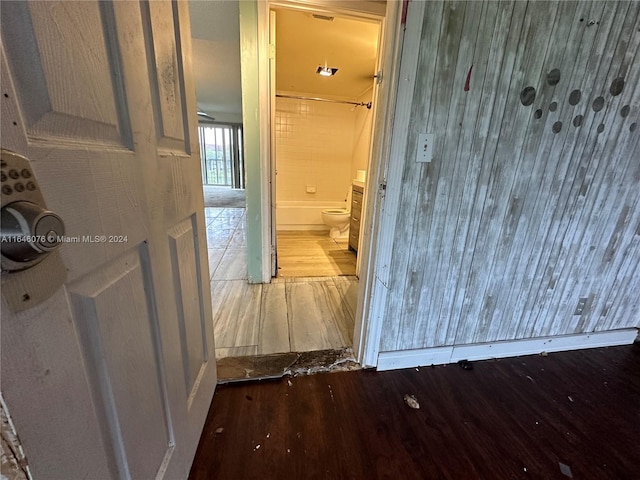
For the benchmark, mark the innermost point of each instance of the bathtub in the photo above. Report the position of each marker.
(302, 215)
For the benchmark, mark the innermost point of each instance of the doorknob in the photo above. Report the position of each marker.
(29, 232)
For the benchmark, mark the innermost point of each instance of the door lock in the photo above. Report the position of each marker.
(29, 232)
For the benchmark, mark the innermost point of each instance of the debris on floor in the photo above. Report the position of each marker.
(331, 393)
(465, 365)
(321, 361)
(565, 470)
(411, 401)
(219, 430)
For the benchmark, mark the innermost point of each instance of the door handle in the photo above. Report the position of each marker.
(29, 231)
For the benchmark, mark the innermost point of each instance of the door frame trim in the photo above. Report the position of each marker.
(264, 112)
(406, 57)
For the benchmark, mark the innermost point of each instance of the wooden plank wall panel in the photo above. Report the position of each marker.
(545, 223)
(484, 144)
(539, 140)
(524, 210)
(419, 110)
(448, 113)
(574, 220)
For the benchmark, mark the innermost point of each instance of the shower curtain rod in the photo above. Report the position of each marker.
(357, 104)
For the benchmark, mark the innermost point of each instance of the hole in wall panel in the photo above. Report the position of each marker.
(527, 96)
(617, 86)
(574, 97)
(557, 127)
(553, 77)
(598, 104)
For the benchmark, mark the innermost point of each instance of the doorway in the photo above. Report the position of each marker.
(325, 66)
(266, 308)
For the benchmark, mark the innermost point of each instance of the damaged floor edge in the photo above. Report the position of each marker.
(279, 365)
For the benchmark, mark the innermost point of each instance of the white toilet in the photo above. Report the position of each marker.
(338, 220)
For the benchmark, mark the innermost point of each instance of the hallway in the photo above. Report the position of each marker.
(291, 314)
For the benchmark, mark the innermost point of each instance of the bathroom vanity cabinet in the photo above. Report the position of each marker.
(356, 214)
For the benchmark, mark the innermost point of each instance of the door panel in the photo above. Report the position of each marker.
(77, 99)
(112, 376)
(191, 318)
(119, 331)
(166, 74)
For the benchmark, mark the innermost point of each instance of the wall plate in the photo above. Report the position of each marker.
(424, 152)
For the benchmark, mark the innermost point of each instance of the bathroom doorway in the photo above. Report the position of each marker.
(323, 83)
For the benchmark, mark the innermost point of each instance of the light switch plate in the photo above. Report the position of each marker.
(424, 153)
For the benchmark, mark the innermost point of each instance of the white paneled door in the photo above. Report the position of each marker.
(112, 375)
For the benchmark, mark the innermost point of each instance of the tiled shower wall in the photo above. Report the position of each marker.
(315, 146)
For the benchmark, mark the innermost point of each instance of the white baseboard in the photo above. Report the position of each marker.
(510, 348)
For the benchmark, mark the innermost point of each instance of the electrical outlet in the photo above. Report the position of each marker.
(424, 153)
(580, 307)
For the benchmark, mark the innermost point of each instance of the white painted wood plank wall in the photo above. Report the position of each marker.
(518, 217)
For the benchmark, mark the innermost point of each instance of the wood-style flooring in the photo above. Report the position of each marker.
(291, 314)
(313, 254)
(567, 415)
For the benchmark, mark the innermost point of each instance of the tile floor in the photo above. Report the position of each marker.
(290, 314)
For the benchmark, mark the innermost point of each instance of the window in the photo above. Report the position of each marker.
(221, 155)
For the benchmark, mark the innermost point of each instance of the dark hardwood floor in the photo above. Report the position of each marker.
(527, 417)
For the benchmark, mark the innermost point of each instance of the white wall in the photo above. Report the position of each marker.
(314, 146)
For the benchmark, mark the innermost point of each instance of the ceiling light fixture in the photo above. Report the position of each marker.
(322, 17)
(204, 115)
(326, 71)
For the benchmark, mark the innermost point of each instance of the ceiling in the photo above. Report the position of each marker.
(215, 32)
(303, 43)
